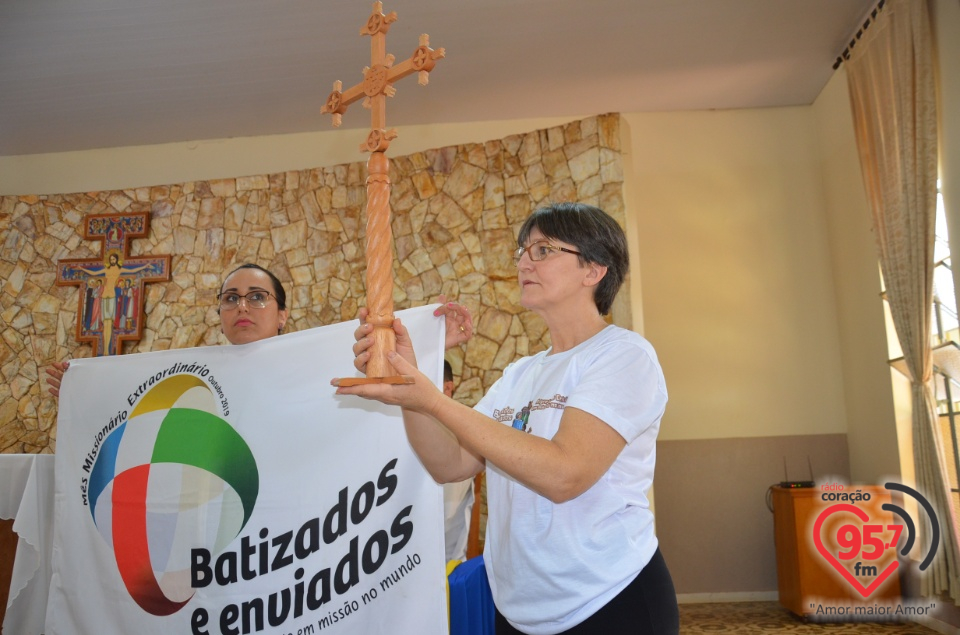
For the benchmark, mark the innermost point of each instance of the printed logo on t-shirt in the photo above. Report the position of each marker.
(558, 401)
(520, 419)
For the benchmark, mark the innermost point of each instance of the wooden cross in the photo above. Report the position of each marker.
(111, 288)
(377, 85)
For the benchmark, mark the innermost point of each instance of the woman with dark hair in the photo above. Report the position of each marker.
(253, 305)
(570, 544)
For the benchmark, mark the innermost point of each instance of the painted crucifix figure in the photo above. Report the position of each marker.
(377, 85)
(111, 288)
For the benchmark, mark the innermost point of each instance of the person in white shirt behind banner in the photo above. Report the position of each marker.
(458, 498)
(568, 437)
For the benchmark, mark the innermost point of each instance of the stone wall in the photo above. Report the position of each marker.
(456, 213)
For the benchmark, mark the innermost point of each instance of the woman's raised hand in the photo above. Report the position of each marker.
(459, 323)
(55, 372)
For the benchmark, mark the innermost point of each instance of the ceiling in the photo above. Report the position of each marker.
(83, 74)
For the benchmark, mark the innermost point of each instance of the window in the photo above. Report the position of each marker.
(946, 344)
(945, 336)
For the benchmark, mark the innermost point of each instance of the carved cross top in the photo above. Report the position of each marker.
(379, 77)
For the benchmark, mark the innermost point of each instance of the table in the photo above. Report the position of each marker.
(804, 577)
(26, 496)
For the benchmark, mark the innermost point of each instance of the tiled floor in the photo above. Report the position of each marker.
(748, 618)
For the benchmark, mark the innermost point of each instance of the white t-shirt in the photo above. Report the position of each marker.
(551, 566)
(457, 507)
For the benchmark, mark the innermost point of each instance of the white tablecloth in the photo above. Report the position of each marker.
(26, 495)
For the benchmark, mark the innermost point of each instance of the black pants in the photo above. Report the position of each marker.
(648, 605)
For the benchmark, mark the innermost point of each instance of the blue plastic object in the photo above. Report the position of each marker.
(471, 604)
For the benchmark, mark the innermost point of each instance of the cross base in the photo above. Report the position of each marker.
(361, 381)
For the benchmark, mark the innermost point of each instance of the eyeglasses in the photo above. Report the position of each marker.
(539, 250)
(255, 299)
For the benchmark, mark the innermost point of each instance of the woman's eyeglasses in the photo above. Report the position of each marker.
(255, 299)
(539, 250)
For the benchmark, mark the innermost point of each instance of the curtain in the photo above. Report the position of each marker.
(890, 75)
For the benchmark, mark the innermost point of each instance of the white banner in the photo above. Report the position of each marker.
(227, 490)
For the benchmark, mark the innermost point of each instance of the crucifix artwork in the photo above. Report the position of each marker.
(377, 85)
(111, 288)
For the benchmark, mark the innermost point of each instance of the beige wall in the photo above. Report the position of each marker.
(713, 492)
(871, 425)
(745, 284)
(140, 166)
(738, 294)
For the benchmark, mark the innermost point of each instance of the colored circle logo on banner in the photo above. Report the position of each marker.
(174, 477)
